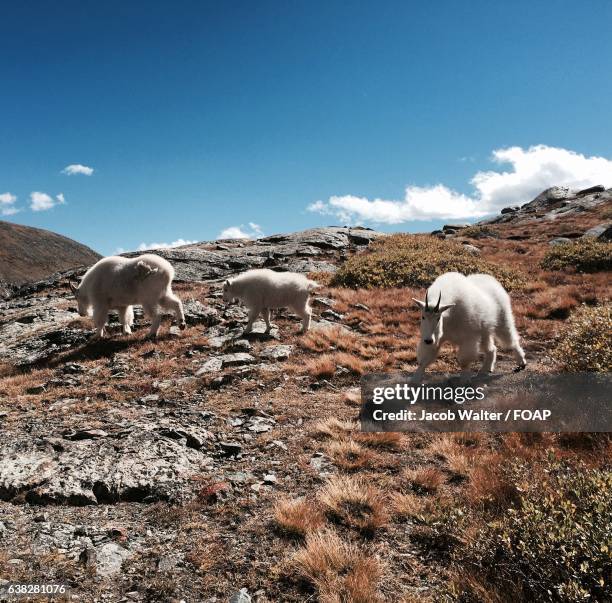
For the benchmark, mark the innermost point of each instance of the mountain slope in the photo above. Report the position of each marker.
(212, 460)
(28, 254)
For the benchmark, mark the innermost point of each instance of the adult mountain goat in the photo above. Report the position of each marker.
(262, 290)
(116, 283)
(472, 313)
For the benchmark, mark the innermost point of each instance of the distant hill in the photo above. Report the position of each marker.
(30, 254)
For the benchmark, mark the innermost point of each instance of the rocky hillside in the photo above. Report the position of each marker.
(199, 467)
(30, 254)
(551, 215)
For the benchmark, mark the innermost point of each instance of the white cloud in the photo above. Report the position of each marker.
(536, 169)
(42, 202)
(7, 204)
(241, 232)
(77, 168)
(7, 199)
(419, 203)
(532, 170)
(177, 243)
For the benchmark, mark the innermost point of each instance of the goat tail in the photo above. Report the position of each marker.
(506, 332)
(312, 285)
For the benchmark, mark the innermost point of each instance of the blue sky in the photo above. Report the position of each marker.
(199, 116)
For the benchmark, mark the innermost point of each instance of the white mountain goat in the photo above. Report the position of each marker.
(116, 283)
(262, 290)
(472, 313)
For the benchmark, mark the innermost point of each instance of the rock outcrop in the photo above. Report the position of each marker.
(552, 203)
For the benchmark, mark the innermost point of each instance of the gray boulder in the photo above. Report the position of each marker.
(603, 232)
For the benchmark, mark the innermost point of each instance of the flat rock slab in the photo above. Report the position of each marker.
(237, 359)
(146, 464)
(276, 352)
(213, 365)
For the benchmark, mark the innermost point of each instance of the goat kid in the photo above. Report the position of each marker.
(262, 290)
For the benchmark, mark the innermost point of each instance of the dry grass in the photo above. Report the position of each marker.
(382, 440)
(353, 397)
(326, 365)
(555, 302)
(335, 338)
(354, 503)
(331, 427)
(319, 366)
(339, 571)
(384, 337)
(488, 486)
(472, 588)
(298, 517)
(353, 363)
(458, 457)
(410, 506)
(424, 480)
(350, 456)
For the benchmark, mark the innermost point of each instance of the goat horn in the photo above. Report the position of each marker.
(426, 301)
(438, 304)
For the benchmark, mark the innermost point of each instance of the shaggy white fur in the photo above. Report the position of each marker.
(472, 313)
(118, 283)
(262, 290)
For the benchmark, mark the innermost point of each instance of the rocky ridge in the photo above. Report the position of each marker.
(550, 205)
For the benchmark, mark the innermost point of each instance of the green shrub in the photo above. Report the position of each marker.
(561, 541)
(477, 232)
(586, 344)
(555, 544)
(415, 261)
(585, 255)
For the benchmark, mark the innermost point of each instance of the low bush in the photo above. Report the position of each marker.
(554, 545)
(583, 255)
(586, 343)
(477, 232)
(415, 261)
(561, 541)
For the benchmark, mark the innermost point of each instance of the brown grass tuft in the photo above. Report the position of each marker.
(488, 486)
(331, 427)
(340, 571)
(409, 506)
(321, 366)
(425, 480)
(353, 397)
(383, 440)
(298, 517)
(350, 456)
(351, 501)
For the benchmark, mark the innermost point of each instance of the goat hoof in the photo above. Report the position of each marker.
(519, 368)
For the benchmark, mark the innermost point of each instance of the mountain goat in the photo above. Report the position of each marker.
(117, 283)
(263, 289)
(471, 312)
